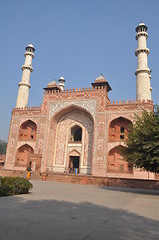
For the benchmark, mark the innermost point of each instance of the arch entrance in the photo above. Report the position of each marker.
(74, 162)
(70, 130)
(22, 155)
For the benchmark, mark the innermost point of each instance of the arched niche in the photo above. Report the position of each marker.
(118, 129)
(28, 131)
(117, 162)
(22, 155)
(75, 134)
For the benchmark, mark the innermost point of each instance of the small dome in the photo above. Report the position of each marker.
(141, 27)
(142, 24)
(101, 78)
(52, 86)
(30, 45)
(53, 83)
(30, 48)
(61, 79)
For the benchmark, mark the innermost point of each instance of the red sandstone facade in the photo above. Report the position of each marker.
(77, 130)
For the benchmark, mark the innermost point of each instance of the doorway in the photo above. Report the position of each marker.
(74, 164)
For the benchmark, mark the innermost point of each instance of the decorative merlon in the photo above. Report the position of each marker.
(129, 102)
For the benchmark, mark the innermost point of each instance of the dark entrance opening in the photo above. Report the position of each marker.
(74, 164)
(76, 134)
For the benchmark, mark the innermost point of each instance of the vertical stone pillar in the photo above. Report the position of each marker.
(99, 158)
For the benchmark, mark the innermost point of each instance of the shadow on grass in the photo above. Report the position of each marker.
(50, 219)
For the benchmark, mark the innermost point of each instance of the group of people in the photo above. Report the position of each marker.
(71, 170)
(67, 171)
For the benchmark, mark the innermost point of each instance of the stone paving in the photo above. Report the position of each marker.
(63, 211)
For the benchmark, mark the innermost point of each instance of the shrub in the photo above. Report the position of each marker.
(14, 186)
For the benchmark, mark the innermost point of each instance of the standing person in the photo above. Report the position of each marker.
(29, 171)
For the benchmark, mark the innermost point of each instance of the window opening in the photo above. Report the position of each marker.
(122, 129)
(122, 137)
(76, 134)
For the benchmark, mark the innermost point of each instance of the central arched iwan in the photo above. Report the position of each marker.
(71, 128)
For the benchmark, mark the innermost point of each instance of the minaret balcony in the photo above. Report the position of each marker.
(142, 50)
(145, 70)
(30, 68)
(139, 34)
(25, 84)
(29, 53)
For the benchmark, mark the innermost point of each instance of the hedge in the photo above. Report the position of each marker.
(14, 186)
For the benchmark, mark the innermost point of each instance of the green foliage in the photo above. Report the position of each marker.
(143, 142)
(3, 147)
(14, 186)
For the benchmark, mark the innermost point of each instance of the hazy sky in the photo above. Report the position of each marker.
(77, 39)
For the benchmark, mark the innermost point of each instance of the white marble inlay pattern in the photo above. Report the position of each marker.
(89, 105)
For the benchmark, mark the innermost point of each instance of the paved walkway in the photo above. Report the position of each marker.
(63, 211)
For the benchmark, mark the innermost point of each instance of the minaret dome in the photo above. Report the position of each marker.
(30, 48)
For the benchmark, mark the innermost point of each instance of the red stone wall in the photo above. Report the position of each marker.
(45, 130)
(26, 136)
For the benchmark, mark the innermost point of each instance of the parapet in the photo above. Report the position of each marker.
(129, 102)
(24, 109)
(76, 90)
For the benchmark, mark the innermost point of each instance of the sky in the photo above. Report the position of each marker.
(76, 39)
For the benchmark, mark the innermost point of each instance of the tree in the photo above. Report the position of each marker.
(142, 144)
(3, 147)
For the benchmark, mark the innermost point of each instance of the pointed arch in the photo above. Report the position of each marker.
(74, 152)
(27, 131)
(59, 145)
(74, 161)
(119, 129)
(22, 155)
(117, 162)
(64, 111)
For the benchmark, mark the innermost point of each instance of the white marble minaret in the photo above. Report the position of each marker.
(24, 85)
(143, 73)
